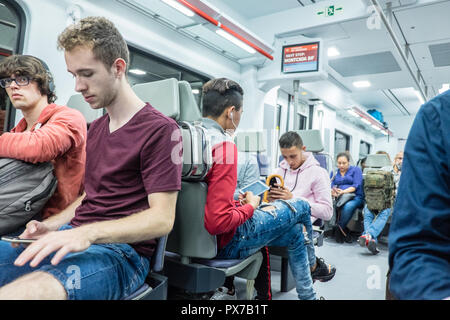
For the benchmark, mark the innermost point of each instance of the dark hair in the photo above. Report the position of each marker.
(343, 154)
(99, 34)
(290, 139)
(32, 67)
(219, 94)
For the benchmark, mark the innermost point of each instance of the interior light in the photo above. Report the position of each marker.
(353, 113)
(375, 127)
(304, 93)
(361, 84)
(195, 91)
(236, 41)
(384, 132)
(176, 5)
(366, 121)
(138, 72)
(333, 52)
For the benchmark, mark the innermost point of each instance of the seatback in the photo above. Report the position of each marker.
(189, 110)
(189, 237)
(376, 161)
(163, 95)
(77, 102)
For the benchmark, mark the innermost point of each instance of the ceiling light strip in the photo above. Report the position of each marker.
(225, 28)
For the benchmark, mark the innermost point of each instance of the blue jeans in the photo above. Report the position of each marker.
(373, 225)
(281, 227)
(102, 272)
(348, 209)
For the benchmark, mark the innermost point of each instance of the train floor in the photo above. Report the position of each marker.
(360, 275)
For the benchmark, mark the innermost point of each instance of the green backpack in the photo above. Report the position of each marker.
(379, 190)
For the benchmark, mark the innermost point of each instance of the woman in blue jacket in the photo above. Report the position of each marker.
(348, 179)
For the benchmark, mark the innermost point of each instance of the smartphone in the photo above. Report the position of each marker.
(274, 181)
(257, 188)
(17, 240)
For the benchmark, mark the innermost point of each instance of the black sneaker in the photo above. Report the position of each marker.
(372, 246)
(323, 272)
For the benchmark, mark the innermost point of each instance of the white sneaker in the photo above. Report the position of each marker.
(222, 294)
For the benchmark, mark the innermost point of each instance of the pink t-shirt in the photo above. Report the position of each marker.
(125, 166)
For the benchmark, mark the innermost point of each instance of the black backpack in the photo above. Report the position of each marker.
(24, 190)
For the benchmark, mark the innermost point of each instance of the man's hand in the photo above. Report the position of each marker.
(34, 230)
(279, 193)
(61, 242)
(250, 198)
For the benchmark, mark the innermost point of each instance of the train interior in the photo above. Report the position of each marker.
(366, 58)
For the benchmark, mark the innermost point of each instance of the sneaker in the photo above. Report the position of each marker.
(372, 246)
(363, 240)
(323, 272)
(222, 294)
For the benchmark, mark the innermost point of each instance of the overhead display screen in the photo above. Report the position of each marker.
(300, 58)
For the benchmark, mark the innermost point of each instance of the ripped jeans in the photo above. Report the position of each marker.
(283, 227)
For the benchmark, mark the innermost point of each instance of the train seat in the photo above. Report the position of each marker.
(376, 161)
(155, 286)
(190, 262)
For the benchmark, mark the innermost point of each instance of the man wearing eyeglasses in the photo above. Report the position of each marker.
(47, 131)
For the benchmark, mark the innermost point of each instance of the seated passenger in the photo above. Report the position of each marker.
(374, 224)
(131, 186)
(348, 180)
(303, 179)
(243, 229)
(47, 132)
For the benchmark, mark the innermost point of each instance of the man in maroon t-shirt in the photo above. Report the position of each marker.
(100, 246)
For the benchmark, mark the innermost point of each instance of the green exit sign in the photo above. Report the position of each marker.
(330, 11)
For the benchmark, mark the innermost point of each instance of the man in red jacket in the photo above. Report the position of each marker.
(47, 132)
(243, 227)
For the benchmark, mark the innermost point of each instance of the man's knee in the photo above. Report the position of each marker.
(36, 285)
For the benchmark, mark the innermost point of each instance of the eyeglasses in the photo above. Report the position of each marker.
(20, 80)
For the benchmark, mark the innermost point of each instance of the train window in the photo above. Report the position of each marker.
(302, 122)
(364, 149)
(11, 26)
(341, 142)
(147, 68)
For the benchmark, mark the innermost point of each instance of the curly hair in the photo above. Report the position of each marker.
(219, 94)
(98, 34)
(32, 67)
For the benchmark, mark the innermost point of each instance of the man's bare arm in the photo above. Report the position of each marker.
(145, 225)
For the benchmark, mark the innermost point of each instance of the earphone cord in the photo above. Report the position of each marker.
(296, 178)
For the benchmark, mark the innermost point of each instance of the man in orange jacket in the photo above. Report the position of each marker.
(47, 132)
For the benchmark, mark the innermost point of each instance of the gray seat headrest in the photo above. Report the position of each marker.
(312, 140)
(377, 161)
(189, 110)
(162, 95)
(77, 102)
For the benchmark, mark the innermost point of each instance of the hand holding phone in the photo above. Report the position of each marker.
(18, 240)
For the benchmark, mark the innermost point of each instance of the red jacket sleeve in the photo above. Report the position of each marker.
(53, 139)
(221, 214)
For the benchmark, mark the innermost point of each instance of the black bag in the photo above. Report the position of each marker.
(24, 190)
(344, 198)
